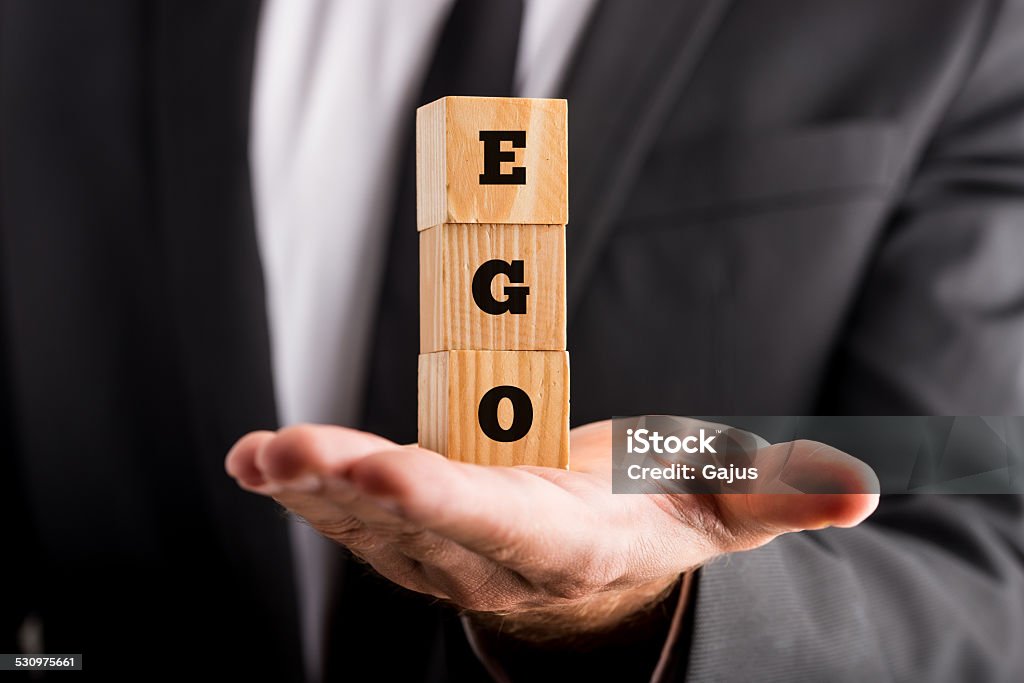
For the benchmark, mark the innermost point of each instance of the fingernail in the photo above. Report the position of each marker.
(307, 483)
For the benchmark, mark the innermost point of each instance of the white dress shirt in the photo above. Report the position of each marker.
(333, 93)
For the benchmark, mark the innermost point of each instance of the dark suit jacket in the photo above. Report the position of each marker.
(777, 207)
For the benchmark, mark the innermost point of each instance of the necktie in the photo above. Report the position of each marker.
(476, 55)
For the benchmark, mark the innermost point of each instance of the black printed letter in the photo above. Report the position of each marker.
(494, 156)
(522, 416)
(515, 297)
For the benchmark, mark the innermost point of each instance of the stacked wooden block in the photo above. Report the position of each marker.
(492, 205)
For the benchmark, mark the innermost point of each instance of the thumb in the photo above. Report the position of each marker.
(812, 486)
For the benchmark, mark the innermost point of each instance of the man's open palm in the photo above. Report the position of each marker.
(528, 540)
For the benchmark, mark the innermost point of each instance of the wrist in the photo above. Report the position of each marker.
(597, 619)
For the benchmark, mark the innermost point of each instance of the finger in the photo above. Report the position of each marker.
(265, 458)
(298, 466)
(240, 462)
(505, 514)
(851, 486)
(591, 449)
(295, 467)
(291, 466)
(298, 451)
(294, 458)
(395, 547)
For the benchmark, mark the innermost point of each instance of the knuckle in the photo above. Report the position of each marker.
(487, 593)
(474, 601)
(504, 547)
(580, 580)
(706, 517)
(408, 537)
(401, 571)
(349, 532)
(568, 588)
(423, 546)
(406, 574)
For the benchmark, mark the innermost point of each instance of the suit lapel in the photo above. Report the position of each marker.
(203, 54)
(632, 64)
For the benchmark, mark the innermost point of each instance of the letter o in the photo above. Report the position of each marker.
(522, 414)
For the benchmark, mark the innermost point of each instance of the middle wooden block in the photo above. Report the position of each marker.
(492, 287)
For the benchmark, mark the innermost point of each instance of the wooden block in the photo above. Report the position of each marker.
(498, 287)
(492, 160)
(475, 406)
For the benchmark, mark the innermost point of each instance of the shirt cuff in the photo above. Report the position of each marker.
(495, 654)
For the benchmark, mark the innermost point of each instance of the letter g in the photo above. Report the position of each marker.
(515, 297)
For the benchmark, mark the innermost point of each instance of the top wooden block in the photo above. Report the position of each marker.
(492, 160)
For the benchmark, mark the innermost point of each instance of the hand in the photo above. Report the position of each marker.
(554, 551)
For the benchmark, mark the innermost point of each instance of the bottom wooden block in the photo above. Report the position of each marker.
(496, 407)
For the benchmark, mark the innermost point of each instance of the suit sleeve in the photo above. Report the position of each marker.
(931, 587)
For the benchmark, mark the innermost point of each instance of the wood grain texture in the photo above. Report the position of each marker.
(450, 159)
(450, 256)
(452, 384)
